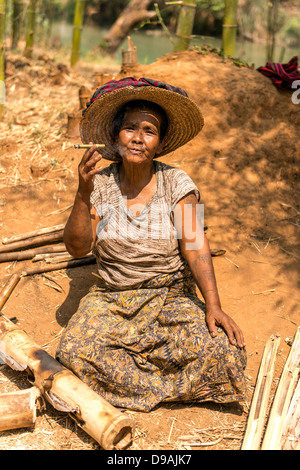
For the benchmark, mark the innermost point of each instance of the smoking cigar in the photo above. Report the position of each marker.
(88, 146)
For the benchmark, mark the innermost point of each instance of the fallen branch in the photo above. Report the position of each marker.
(259, 404)
(63, 390)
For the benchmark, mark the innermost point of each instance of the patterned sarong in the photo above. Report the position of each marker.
(139, 348)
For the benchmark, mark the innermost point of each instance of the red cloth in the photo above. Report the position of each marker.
(282, 75)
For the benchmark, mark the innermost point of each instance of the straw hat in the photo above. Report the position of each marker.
(185, 120)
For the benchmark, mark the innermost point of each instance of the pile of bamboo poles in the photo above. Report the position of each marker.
(281, 429)
(44, 245)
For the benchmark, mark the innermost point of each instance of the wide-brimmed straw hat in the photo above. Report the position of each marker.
(185, 119)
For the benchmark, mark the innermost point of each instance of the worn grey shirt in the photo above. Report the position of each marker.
(132, 249)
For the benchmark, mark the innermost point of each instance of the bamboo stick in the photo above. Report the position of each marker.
(66, 392)
(18, 409)
(291, 432)
(73, 263)
(29, 254)
(33, 241)
(283, 397)
(8, 288)
(34, 233)
(259, 404)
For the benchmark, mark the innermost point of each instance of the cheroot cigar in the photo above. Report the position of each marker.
(88, 146)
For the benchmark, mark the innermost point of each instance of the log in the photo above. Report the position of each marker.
(63, 390)
(33, 241)
(19, 409)
(34, 233)
(29, 254)
(259, 404)
(283, 397)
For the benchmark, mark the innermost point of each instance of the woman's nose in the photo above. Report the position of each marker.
(137, 136)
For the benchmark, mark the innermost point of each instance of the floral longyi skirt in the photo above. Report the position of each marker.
(138, 348)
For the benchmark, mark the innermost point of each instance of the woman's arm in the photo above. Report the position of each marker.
(195, 249)
(80, 230)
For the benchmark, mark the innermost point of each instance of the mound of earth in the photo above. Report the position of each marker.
(246, 165)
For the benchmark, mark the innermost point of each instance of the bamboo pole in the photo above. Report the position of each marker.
(18, 409)
(30, 254)
(185, 24)
(77, 28)
(283, 397)
(8, 288)
(34, 233)
(229, 27)
(33, 241)
(2, 56)
(16, 22)
(30, 31)
(66, 392)
(258, 409)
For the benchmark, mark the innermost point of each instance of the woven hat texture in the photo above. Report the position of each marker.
(185, 119)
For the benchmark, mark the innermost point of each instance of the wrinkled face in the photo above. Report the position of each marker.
(139, 136)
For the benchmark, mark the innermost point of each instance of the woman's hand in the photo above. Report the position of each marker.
(216, 317)
(87, 170)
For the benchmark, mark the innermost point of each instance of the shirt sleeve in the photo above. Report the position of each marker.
(181, 185)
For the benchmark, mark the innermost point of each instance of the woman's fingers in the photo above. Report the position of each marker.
(232, 330)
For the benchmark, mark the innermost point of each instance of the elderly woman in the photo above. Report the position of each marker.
(142, 336)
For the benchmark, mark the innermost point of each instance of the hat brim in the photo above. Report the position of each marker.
(185, 119)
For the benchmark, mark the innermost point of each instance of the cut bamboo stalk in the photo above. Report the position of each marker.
(31, 253)
(259, 404)
(291, 432)
(73, 263)
(34, 233)
(283, 397)
(33, 241)
(66, 392)
(8, 288)
(19, 409)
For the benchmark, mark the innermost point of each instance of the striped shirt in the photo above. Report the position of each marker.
(132, 249)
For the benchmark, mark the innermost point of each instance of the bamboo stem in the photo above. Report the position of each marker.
(29, 254)
(33, 241)
(34, 233)
(77, 28)
(2, 56)
(185, 25)
(73, 263)
(63, 390)
(259, 404)
(283, 397)
(18, 409)
(291, 432)
(229, 27)
(8, 288)
(30, 28)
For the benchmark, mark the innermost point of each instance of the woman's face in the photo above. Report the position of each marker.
(139, 137)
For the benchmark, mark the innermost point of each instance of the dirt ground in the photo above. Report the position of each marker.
(246, 165)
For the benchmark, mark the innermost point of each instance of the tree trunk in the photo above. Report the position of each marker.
(77, 28)
(2, 52)
(30, 28)
(229, 27)
(135, 12)
(185, 25)
(16, 22)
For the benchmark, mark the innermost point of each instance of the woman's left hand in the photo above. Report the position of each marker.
(216, 317)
